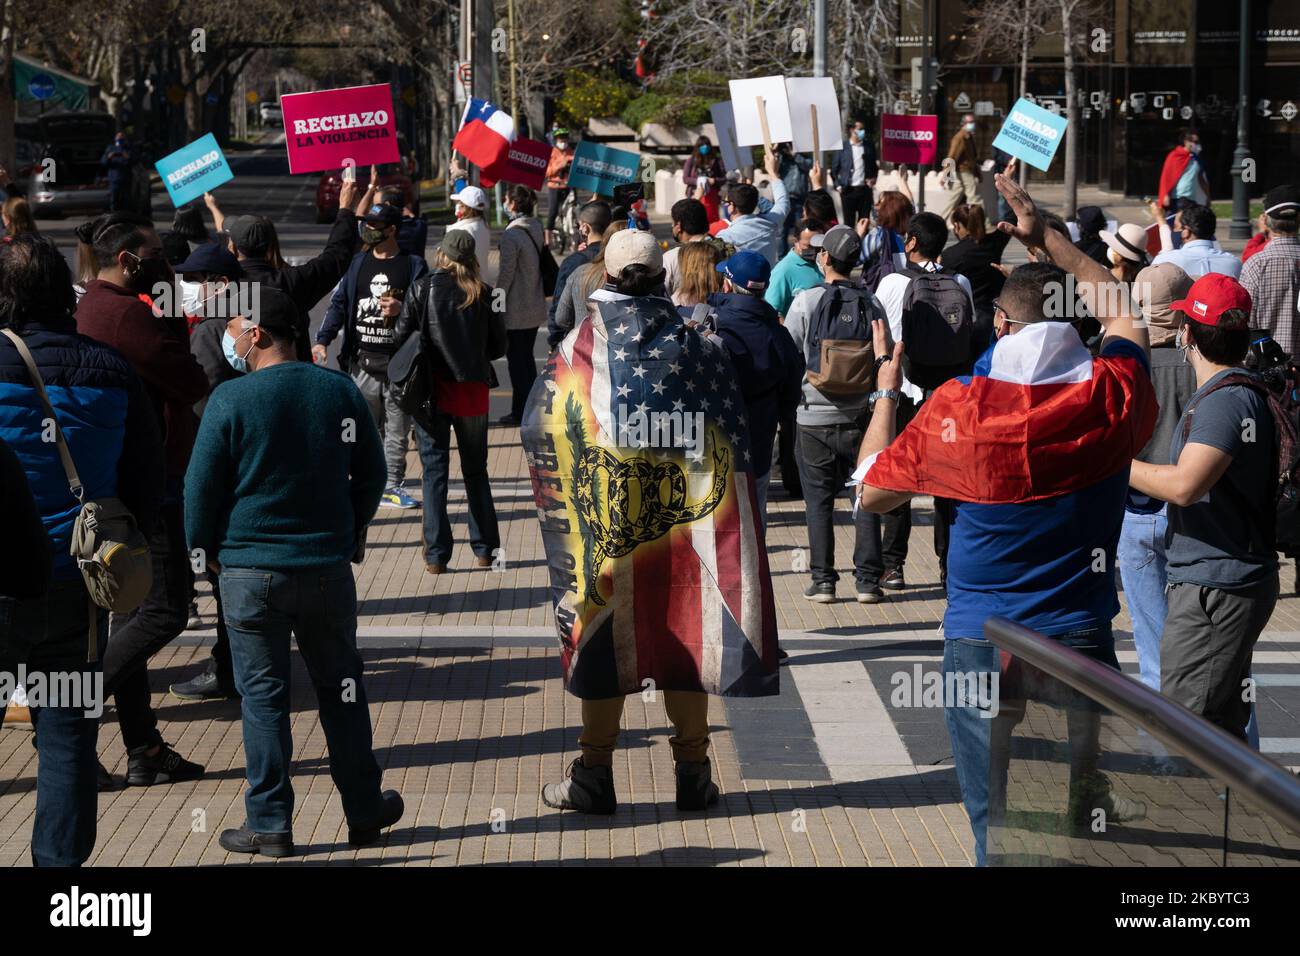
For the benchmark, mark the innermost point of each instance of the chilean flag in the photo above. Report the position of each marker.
(1038, 417)
(485, 134)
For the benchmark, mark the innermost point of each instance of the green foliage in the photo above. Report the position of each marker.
(586, 96)
(670, 109)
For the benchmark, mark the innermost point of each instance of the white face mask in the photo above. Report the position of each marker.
(191, 297)
(969, 127)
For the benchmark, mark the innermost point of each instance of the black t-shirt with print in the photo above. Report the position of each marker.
(375, 333)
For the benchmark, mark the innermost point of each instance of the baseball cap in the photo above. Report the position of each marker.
(1129, 241)
(252, 235)
(632, 246)
(458, 246)
(840, 242)
(471, 196)
(386, 213)
(1210, 296)
(212, 258)
(1153, 290)
(1282, 202)
(274, 310)
(746, 269)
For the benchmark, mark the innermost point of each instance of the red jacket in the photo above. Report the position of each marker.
(1257, 242)
(159, 352)
(1175, 165)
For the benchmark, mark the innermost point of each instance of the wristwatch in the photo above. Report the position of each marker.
(890, 393)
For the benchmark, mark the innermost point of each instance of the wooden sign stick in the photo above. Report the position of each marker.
(762, 120)
(817, 139)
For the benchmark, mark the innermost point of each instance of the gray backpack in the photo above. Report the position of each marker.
(107, 544)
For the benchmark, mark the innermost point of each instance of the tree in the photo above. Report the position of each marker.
(1074, 15)
(1010, 29)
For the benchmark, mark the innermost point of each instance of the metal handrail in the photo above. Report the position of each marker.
(1211, 748)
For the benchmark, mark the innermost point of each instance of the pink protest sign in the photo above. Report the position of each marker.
(327, 128)
(908, 139)
(525, 164)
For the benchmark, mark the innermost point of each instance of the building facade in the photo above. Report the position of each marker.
(1144, 70)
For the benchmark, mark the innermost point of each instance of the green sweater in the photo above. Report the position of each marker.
(286, 471)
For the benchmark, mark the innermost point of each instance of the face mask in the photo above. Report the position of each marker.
(704, 150)
(809, 255)
(1194, 148)
(228, 347)
(969, 127)
(191, 297)
(369, 234)
(859, 134)
(150, 273)
(513, 214)
(561, 145)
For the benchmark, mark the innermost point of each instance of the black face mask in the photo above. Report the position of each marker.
(150, 273)
(809, 255)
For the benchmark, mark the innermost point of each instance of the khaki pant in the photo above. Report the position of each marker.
(969, 193)
(688, 711)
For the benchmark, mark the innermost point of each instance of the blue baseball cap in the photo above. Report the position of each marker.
(747, 270)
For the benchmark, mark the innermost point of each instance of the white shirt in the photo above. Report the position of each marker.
(891, 292)
(859, 164)
(478, 228)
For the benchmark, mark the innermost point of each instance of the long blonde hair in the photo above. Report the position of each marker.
(696, 263)
(466, 276)
(592, 275)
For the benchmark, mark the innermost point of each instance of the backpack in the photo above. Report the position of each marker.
(883, 263)
(1285, 409)
(546, 265)
(837, 346)
(111, 552)
(938, 328)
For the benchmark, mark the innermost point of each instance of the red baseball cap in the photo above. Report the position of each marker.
(1210, 296)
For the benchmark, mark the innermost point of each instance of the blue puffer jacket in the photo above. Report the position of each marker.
(106, 418)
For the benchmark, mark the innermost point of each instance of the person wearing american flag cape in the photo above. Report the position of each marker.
(1034, 448)
(636, 443)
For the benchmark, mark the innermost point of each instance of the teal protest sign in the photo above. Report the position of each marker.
(1031, 134)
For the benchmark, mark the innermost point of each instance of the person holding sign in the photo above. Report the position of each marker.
(751, 229)
(704, 174)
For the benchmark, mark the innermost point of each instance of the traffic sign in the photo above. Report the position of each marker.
(41, 86)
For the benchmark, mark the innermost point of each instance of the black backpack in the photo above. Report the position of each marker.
(1281, 393)
(938, 328)
(837, 346)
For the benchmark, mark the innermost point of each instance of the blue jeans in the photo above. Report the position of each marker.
(51, 634)
(1142, 561)
(972, 728)
(320, 608)
(435, 457)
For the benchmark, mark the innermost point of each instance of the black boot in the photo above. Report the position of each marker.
(586, 789)
(391, 811)
(695, 787)
(244, 840)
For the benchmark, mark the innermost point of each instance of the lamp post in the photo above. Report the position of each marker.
(1240, 228)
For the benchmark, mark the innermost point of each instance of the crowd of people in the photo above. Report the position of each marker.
(868, 344)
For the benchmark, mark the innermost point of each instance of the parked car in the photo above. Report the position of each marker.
(76, 140)
(271, 114)
(390, 174)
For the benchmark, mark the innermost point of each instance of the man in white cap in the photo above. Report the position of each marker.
(1272, 275)
(471, 207)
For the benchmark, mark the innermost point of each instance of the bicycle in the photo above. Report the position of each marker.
(564, 237)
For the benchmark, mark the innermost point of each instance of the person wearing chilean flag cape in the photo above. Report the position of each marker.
(1034, 448)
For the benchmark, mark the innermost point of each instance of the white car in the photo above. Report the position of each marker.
(271, 114)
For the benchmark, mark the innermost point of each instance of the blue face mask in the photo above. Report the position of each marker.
(228, 347)
(704, 150)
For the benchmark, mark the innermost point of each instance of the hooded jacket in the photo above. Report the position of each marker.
(769, 367)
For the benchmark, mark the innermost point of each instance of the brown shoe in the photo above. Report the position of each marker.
(482, 562)
(435, 568)
(18, 717)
